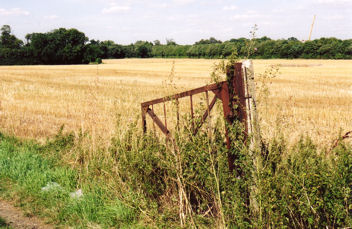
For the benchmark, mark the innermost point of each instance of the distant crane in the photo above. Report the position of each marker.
(311, 28)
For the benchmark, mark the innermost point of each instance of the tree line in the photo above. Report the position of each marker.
(70, 46)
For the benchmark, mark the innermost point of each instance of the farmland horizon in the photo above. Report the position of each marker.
(71, 46)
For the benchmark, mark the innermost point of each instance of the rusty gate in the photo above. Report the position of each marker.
(233, 93)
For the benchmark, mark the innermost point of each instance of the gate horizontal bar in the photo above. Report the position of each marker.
(210, 87)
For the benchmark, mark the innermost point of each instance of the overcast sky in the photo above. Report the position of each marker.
(185, 21)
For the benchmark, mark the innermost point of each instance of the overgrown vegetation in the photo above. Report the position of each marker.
(141, 180)
(70, 46)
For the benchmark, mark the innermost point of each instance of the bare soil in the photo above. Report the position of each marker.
(15, 218)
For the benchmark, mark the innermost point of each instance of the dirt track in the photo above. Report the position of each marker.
(16, 219)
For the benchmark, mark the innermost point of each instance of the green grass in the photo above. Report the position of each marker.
(26, 167)
(3, 224)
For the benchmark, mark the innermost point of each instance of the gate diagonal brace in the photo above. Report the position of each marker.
(206, 114)
(158, 122)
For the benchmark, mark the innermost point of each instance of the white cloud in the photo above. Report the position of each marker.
(232, 7)
(13, 11)
(115, 9)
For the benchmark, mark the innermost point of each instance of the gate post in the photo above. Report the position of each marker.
(252, 116)
(233, 99)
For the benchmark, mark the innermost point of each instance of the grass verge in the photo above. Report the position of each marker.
(43, 186)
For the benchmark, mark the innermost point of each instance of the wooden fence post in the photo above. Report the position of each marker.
(251, 107)
(253, 128)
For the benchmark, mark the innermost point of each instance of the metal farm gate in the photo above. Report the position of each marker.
(236, 95)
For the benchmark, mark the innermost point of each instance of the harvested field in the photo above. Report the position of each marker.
(307, 96)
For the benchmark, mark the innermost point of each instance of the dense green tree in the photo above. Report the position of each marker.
(92, 51)
(292, 39)
(229, 48)
(143, 49)
(211, 40)
(170, 42)
(60, 46)
(157, 42)
(7, 40)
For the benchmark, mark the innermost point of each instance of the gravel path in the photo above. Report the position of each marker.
(15, 218)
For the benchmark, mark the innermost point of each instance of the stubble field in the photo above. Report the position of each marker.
(307, 96)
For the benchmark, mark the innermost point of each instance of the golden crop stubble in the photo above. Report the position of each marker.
(309, 96)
